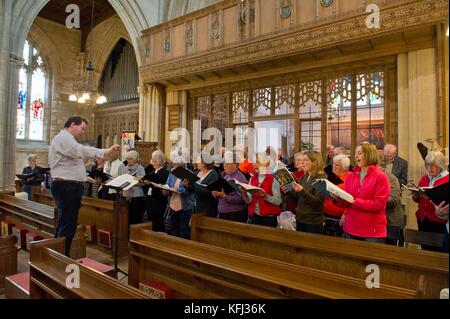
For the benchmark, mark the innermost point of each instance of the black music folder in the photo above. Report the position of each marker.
(219, 185)
(183, 173)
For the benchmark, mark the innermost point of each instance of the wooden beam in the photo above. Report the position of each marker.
(251, 67)
(340, 50)
(372, 45)
(313, 55)
(405, 37)
(291, 60)
(200, 77)
(171, 82)
(233, 71)
(216, 74)
(184, 80)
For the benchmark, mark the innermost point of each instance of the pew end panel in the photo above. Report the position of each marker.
(8, 258)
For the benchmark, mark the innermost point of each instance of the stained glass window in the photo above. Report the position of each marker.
(32, 95)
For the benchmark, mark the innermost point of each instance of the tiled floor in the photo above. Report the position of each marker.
(23, 256)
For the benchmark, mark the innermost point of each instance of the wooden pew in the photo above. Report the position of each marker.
(196, 270)
(40, 218)
(399, 266)
(35, 216)
(48, 276)
(101, 214)
(8, 258)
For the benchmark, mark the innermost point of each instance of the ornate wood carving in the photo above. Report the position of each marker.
(304, 38)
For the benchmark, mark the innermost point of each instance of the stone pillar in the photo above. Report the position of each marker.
(417, 113)
(9, 73)
(150, 110)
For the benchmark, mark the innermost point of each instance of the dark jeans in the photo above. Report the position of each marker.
(27, 189)
(67, 197)
(332, 228)
(136, 210)
(369, 239)
(432, 227)
(155, 212)
(241, 216)
(269, 221)
(179, 223)
(310, 228)
(394, 235)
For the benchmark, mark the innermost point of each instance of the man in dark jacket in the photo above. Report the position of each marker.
(395, 164)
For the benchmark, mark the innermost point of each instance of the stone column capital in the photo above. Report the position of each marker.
(18, 61)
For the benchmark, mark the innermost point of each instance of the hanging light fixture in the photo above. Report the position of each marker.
(87, 86)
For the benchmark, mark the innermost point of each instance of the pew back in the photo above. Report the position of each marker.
(399, 266)
(196, 270)
(35, 216)
(101, 214)
(48, 276)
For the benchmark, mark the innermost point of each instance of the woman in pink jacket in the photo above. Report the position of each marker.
(365, 219)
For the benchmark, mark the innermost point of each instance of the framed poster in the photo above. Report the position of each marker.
(127, 142)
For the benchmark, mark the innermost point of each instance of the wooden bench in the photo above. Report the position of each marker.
(196, 270)
(424, 238)
(101, 214)
(35, 216)
(39, 218)
(48, 276)
(8, 259)
(399, 266)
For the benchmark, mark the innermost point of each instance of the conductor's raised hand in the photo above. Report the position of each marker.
(110, 152)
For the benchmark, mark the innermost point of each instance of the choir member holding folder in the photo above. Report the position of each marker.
(204, 200)
(135, 195)
(309, 211)
(437, 175)
(264, 206)
(365, 219)
(180, 198)
(155, 202)
(231, 204)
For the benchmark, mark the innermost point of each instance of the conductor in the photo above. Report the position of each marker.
(69, 174)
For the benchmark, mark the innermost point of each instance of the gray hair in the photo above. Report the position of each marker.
(158, 157)
(345, 161)
(436, 158)
(132, 154)
(390, 146)
(340, 148)
(32, 157)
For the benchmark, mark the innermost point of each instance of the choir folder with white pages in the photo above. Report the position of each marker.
(326, 188)
(125, 182)
(437, 194)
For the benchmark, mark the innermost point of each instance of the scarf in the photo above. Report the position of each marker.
(175, 198)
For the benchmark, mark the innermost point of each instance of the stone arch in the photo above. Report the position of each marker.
(47, 50)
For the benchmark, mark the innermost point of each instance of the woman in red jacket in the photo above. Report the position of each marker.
(426, 217)
(365, 219)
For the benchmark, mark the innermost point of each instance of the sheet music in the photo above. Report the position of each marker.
(125, 181)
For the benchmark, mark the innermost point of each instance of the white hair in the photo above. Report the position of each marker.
(132, 154)
(32, 157)
(390, 147)
(158, 157)
(345, 161)
(436, 158)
